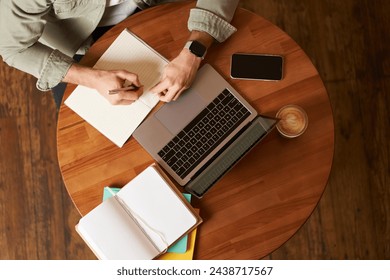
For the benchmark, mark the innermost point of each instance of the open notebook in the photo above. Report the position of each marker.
(141, 221)
(181, 245)
(183, 249)
(118, 122)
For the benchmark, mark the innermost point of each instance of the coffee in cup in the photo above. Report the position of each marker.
(293, 121)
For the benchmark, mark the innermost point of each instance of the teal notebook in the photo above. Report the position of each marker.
(181, 245)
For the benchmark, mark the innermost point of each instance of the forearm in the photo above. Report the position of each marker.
(203, 37)
(106, 80)
(81, 75)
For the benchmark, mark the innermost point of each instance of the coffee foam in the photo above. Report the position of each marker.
(293, 121)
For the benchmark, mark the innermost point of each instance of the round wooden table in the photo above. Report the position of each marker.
(270, 193)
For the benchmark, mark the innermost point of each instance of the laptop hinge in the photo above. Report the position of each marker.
(230, 155)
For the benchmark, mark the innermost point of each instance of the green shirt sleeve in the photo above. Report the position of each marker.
(35, 35)
(214, 18)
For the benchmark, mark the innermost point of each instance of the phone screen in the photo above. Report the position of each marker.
(257, 66)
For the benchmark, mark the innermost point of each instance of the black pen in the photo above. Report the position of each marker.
(116, 91)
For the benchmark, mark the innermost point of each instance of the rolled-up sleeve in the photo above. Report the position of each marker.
(213, 17)
(21, 26)
(53, 70)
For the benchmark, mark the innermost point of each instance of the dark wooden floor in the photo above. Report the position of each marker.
(348, 42)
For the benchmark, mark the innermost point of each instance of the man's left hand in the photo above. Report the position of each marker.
(178, 75)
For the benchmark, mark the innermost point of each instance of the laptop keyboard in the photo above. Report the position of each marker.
(205, 132)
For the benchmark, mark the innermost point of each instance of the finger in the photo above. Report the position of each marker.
(160, 87)
(178, 94)
(128, 95)
(131, 77)
(160, 94)
(117, 101)
(125, 102)
(139, 91)
(170, 94)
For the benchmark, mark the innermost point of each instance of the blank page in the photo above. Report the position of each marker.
(118, 122)
(157, 205)
(111, 234)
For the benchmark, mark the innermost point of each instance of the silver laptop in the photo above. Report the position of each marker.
(199, 137)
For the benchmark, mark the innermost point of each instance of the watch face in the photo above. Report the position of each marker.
(198, 49)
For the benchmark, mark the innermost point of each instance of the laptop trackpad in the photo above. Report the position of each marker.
(175, 115)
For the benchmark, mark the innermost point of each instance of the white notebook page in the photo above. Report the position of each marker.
(112, 234)
(118, 122)
(159, 208)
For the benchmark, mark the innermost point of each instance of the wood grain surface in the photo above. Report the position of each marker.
(345, 40)
(262, 201)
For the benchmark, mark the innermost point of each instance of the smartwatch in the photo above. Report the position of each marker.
(196, 48)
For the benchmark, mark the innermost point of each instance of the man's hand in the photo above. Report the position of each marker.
(178, 75)
(104, 81)
(117, 80)
(180, 72)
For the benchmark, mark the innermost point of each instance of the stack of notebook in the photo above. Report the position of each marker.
(145, 219)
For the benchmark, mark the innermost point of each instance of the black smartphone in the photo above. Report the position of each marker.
(257, 66)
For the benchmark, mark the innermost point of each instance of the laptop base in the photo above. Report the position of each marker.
(236, 150)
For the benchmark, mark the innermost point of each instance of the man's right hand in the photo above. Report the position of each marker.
(106, 80)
